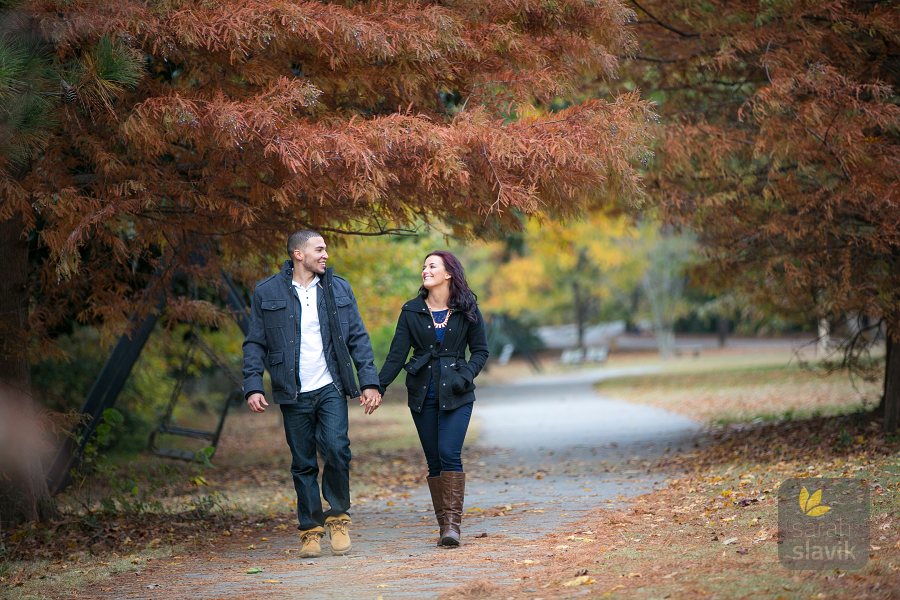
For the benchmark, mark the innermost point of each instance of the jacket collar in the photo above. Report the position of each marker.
(417, 305)
(287, 273)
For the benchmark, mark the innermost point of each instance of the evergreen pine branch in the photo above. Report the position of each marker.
(115, 65)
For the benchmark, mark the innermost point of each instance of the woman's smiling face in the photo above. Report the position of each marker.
(434, 273)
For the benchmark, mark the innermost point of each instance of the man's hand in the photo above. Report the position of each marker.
(370, 400)
(257, 403)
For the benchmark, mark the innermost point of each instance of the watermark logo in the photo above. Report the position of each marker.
(812, 505)
(825, 529)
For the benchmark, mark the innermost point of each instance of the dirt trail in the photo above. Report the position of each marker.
(551, 449)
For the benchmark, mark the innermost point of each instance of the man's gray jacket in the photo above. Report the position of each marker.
(273, 341)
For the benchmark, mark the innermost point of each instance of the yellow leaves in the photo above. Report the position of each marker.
(522, 280)
(580, 580)
(589, 249)
(811, 504)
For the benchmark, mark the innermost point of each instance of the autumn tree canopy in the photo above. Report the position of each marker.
(781, 148)
(256, 118)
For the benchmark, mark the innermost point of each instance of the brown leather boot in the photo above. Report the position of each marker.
(436, 487)
(454, 484)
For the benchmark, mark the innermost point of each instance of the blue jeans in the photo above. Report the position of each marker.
(319, 421)
(442, 433)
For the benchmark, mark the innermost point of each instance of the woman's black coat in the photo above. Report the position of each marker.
(455, 377)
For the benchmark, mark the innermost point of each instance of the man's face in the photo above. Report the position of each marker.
(313, 255)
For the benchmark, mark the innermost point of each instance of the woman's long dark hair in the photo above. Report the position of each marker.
(462, 299)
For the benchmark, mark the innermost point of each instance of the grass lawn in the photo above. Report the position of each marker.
(732, 394)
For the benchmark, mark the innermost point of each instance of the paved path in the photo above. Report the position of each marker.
(552, 449)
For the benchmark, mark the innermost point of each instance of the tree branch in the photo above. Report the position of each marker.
(665, 25)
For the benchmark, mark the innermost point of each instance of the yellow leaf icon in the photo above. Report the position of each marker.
(814, 500)
(811, 505)
(818, 511)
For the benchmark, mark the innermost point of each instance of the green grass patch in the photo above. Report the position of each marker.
(762, 393)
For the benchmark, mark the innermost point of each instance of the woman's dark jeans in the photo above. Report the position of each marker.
(319, 420)
(442, 433)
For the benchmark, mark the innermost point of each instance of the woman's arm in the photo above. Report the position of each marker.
(478, 347)
(398, 353)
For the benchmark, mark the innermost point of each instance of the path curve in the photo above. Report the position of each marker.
(552, 449)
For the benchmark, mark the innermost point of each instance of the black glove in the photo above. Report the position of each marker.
(462, 382)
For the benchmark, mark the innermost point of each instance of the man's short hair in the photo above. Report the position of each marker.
(298, 239)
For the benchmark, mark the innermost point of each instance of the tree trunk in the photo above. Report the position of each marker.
(23, 489)
(13, 305)
(580, 316)
(891, 399)
(823, 340)
(722, 330)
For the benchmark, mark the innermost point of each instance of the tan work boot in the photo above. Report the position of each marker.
(309, 542)
(339, 531)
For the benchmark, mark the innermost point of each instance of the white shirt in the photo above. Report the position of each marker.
(312, 367)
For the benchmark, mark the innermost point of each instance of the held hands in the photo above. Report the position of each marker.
(257, 403)
(370, 400)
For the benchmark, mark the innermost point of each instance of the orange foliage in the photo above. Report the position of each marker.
(263, 117)
(781, 146)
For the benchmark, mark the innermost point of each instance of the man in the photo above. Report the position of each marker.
(305, 328)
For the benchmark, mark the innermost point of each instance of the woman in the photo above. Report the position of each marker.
(439, 324)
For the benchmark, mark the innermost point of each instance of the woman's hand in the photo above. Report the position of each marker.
(370, 400)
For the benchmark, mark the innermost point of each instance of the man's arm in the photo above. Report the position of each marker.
(254, 357)
(360, 347)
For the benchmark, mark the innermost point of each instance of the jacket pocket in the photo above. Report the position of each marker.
(274, 312)
(461, 380)
(343, 310)
(276, 371)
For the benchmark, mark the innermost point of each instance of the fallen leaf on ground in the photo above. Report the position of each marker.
(581, 580)
(254, 570)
